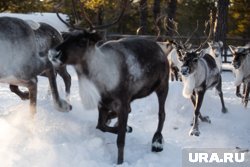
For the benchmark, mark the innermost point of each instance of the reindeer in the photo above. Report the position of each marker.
(215, 50)
(169, 49)
(47, 37)
(171, 54)
(199, 73)
(114, 74)
(242, 70)
(20, 62)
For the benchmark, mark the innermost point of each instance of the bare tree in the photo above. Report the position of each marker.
(156, 9)
(143, 8)
(221, 22)
(100, 14)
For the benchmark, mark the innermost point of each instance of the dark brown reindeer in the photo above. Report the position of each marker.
(20, 62)
(46, 37)
(242, 70)
(113, 74)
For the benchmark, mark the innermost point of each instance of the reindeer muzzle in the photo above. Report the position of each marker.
(185, 71)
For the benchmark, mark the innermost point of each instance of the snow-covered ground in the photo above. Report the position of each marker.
(70, 139)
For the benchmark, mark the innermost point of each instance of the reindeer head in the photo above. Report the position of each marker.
(74, 47)
(217, 47)
(239, 55)
(189, 61)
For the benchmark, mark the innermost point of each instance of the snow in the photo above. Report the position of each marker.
(70, 139)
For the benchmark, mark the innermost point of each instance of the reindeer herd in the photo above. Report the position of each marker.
(113, 73)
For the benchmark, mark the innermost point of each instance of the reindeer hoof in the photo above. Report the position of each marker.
(205, 119)
(129, 129)
(63, 106)
(224, 110)
(194, 132)
(25, 95)
(245, 102)
(157, 143)
(239, 95)
(192, 123)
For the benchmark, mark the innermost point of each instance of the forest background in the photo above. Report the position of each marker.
(231, 17)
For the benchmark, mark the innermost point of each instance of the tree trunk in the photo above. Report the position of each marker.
(100, 14)
(143, 8)
(221, 22)
(156, 9)
(171, 12)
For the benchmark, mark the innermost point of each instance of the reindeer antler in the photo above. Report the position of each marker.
(156, 24)
(197, 26)
(175, 29)
(124, 4)
(210, 30)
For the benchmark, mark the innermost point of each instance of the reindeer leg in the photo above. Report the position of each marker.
(105, 115)
(62, 71)
(193, 97)
(202, 118)
(171, 75)
(238, 94)
(61, 105)
(123, 111)
(17, 91)
(246, 94)
(219, 89)
(102, 120)
(157, 141)
(199, 99)
(176, 73)
(32, 86)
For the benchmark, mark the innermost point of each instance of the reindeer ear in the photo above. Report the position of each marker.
(220, 43)
(232, 48)
(199, 52)
(180, 54)
(65, 35)
(246, 51)
(195, 60)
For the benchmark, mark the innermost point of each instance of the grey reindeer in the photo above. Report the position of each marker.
(241, 64)
(47, 37)
(199, 73)
(21, 63)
